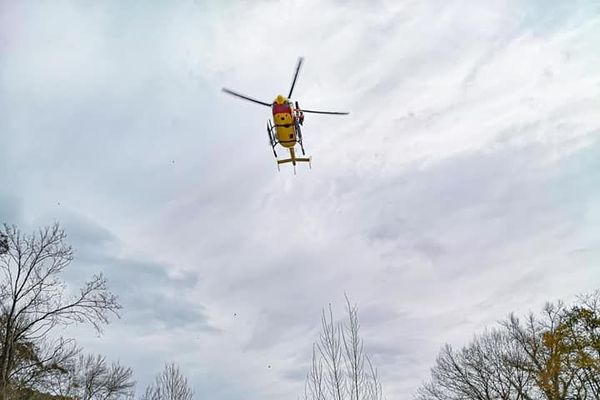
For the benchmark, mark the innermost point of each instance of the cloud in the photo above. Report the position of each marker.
(10, 209)
(461, 186)
(153, 297)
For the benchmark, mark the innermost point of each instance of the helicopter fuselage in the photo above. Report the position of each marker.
(284, 121)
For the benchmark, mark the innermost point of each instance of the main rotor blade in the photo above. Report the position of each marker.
(324, 112)
(231, 92)
(295, 76)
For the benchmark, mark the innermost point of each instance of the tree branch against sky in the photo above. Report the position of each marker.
(551, 356)
(94, 378)
(170, 384)
(35, 298)
(340, 368)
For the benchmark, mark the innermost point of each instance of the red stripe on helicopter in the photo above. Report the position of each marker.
(281, 108)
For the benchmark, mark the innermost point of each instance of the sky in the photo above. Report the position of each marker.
(464, 184)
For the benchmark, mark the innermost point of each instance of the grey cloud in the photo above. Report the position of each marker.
(276, 325)
(379, 313)
(11, 209)
(297, 374)
(505, 188)
(152, 299)
(417, 206)
(390, 354)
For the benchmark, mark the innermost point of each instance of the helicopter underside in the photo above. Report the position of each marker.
(287, 136)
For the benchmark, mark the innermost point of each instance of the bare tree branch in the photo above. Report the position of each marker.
(554, 356)
(170, 384)
(33, 295)
(340, 369)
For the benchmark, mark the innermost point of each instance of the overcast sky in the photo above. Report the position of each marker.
(464, 184)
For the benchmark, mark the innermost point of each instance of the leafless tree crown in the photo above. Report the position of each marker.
(33, 299)
(553, 356)
(170, 384)
(340, 368)
(89, 377)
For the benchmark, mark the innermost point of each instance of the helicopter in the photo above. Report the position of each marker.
(285, 129)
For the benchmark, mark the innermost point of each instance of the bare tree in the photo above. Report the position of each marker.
(42, 364)
(563, 348)
(553, 356)
(542, 358)
(33, 296)
(315, 386)
(364, 383)
(93, 378)
(354, 354)
(340, 369)
(170, 384)
(482, 370)
(330, 349)
(3, 244)
(374, 389)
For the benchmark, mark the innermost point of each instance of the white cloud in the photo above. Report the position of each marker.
(460, 188)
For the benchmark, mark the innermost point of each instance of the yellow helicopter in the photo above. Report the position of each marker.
(288, 117)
